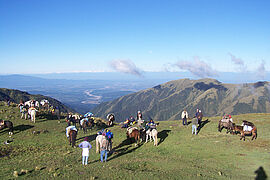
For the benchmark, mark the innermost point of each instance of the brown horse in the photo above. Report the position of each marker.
(9, 125)
(227, 125)
(85, 125)
(133, 133)
(72, 137)
(240, 129)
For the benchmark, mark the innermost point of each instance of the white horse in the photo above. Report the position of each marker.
(31, 103)
(32, 113)
(76, 116)
(152, 134)
(27, 103)
(99, 139)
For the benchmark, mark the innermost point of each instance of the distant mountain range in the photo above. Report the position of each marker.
(167, 101)
(16, 96)
(81, 95)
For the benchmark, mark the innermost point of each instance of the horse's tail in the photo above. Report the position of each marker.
(255, 131)
(73, 137)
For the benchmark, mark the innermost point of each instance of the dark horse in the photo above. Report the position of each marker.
(135, 133)
(253, 132)
(7, 124)
(87, 124)
(111, 119)
(72, 137)
(227, 125)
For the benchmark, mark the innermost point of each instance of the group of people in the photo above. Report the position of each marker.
(196, 120)
(28, 110)
(106, 146)
(131, 120)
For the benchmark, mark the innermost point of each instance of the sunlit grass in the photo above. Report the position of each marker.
(179, 155)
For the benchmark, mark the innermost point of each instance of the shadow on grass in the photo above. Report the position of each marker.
(163, 135)
(203, 123)
(22, 127)
(120, 150)
(90, 137)
(49, 117)
(261, 174)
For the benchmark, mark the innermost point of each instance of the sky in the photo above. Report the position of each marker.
(202, 37)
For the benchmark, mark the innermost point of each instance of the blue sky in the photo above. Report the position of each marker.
(38, 36)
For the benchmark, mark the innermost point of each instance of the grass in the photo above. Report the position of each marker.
(179, 155)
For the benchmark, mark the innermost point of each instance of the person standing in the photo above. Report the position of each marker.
(199, 117)
(194, 125)
(139, 118)
(184, 117)
(104, 148)
(86, 146)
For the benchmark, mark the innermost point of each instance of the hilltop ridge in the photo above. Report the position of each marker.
(167, 101)
(15, 96)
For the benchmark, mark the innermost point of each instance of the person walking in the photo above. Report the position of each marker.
(104, 148)
(194, 125)
(86, 146)
(184, 117)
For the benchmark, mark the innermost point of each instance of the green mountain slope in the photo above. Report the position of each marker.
(16, 95)
(167, 101)
(47, 154)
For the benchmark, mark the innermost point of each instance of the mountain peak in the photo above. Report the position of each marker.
(167, 101)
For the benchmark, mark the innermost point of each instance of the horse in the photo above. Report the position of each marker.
(253, 132)
(32, 112)
(45, 104)
(111, 119)
(225, 124)
(99, 139)
(8, 124)
(152, 134)
(86, 124)
(72, 137)
(70, 120)
(133, 133)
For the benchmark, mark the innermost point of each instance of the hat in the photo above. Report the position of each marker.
(86, 138)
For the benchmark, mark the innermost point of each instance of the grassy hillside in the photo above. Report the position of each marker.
(168, 100)
(179, 155)
(16, 96)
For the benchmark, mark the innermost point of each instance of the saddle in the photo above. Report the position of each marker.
(225, 120)
(247, 128)
(130, 129)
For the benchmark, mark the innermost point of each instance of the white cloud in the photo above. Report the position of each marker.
(261, 71)
(197, 67)
(239, 63)
(125, 66)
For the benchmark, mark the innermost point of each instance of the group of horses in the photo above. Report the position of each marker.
(235, 129)
(141, 134)
(86, 124)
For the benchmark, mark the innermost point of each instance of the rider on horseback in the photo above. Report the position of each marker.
(126, 123)
(151, 125)
(132, 120)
